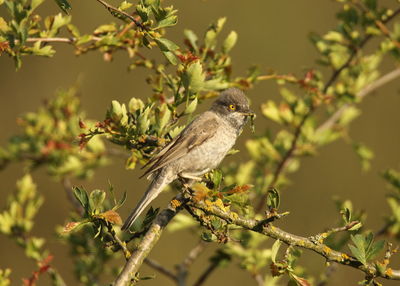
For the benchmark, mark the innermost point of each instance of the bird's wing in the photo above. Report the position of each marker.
(197, 132)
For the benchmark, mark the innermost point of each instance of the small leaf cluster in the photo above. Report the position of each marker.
(97, 210)
(26, 33)
(49, 138)
(288, 265)
(17, 221)
(364, 248)
(301, 130)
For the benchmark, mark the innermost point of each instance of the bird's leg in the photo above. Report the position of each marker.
(190, 177)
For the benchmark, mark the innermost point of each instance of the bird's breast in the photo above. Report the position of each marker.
(210, 153)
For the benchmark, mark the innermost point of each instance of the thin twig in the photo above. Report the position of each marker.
(322, 236)
(157, 266)
(118, 11)
(182, 268)
(118, 241)
(282, 164)
(259, 279)
(55, 39)
(203, 277)
(365, 91)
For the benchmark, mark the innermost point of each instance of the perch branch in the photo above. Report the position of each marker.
(295, 240)
(149, 240)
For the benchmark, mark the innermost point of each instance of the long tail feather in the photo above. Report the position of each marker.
(155, 188)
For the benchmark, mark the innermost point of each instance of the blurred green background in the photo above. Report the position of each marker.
(272, 34)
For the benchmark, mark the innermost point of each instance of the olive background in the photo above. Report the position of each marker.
(272, 34)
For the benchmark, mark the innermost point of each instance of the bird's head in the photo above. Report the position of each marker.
(233, 105)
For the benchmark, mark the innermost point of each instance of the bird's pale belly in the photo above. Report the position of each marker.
(208, 155)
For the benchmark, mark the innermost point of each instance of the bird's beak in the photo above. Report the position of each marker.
(248, 112)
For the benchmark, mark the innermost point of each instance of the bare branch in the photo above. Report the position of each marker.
(157, 266)
(149, 240)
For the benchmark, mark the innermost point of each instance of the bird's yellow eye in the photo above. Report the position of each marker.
(232, 107)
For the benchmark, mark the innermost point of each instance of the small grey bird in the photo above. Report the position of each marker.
(199, 148)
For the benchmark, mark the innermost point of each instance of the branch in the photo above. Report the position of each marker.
(282, 164)
(295, 240)
(203, 277)
(182, 268)
(365, 91)
(157, 266)
(149, 240)
(336, 73)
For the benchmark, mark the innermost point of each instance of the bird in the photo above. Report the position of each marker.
(198, 148)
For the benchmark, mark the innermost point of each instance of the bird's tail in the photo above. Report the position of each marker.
(155, 188)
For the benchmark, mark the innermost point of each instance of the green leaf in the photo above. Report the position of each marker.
(349, 115)
(359, 254)
(35, 4)
(82, 197)
(217, 178)
(46, 51)
(192, 38)
(191, 107)
(393, 178)
(274, 250)
(167, 22)
(365, 154)
(166, 45)
(143, 121)
(193, 78)
(170, 57)
(215, 84)
(273, 199)
(229, 42)
(105, 29)
(125, 5)
(120, 202)
(96, 199)
(375, 249)
(365, 249)
(64, 5)
(143, 12)
(4, 26)
(270, 110)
